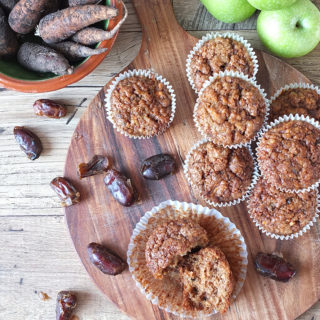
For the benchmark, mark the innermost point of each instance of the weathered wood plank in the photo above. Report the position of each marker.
(192, 15)
(27, 202)
(38, 256)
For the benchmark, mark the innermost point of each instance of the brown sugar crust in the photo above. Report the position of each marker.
(230, 111)
(141, 106)
(169, 242)
(220, 54)
(220, 174)
(296, 101)
(289, 155)
(281, 213)
(207, 281)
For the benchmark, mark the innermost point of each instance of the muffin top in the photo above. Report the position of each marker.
(281, 213)
(170, 241)
(219, 54)
(207, 281)
(230, 111)
(296, 101)
(141, 106)
(220, 174)
(289, 155)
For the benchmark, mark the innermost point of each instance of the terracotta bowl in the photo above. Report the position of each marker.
(13, 76)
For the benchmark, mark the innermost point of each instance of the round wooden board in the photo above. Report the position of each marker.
(99, 218)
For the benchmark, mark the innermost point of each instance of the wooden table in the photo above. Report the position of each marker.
(37, 254)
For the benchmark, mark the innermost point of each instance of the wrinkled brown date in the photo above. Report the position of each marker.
(104, 260)
(66, 303)
(49, 108)
(65, 191)
(98, 164)
(120, 187)
(29, 142)
(158, 166)
(274, 267)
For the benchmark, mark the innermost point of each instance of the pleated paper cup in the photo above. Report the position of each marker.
(266, 128)
(167, 292)
(242, 77)
(290, 86)
(141, 73)
(254, 179)
(289, 236)
(211, 36)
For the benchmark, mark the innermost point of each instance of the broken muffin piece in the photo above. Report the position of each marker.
(169, 242)
(207, 281)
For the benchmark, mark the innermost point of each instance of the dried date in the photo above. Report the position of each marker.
(104, 260)
(158, 166)
(49, 108)
(120, 187)
(29, 142)
(65, 191)
(274, 267)
(98, 164)
(66, 303)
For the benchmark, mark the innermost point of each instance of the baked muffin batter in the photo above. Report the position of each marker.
(220, 174)
(281, 213)
(230, 111)
(220, 54)
(289, 155)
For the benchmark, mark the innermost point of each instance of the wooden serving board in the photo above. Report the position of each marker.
(98, 217)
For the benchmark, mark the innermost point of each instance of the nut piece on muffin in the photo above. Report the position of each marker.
(219, 54)
(289, 155)
(230, 111)
(281, 213)
(303, 101)
(169, 242)
(220, 174)
(207, 281)
(141, 106)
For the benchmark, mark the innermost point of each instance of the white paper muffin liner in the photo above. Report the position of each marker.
(287, 118)
(210, 36)
(255, 176)
(300, 85)
(195, 212)
(235, 75)
(289, 236)
(131, 73)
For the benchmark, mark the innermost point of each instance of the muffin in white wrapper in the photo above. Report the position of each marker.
(291, 214)
(228, 35)
(167, 292)
(299, 98)
(255, 126)
(112, 114)
(273, 173)
(203, 196)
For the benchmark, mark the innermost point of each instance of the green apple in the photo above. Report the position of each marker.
(271, 4)
(290, 32)
(229, 11)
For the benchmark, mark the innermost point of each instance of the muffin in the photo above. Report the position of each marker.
(219, 54)
(296, 99)
(279, 212)
(140, 104)
(207, 281)
(289, 154)
(220, 175)
(230, 110)
(167, 292)
(169, 242)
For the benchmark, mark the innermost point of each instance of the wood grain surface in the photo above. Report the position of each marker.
(99, 218)
(36, 251)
